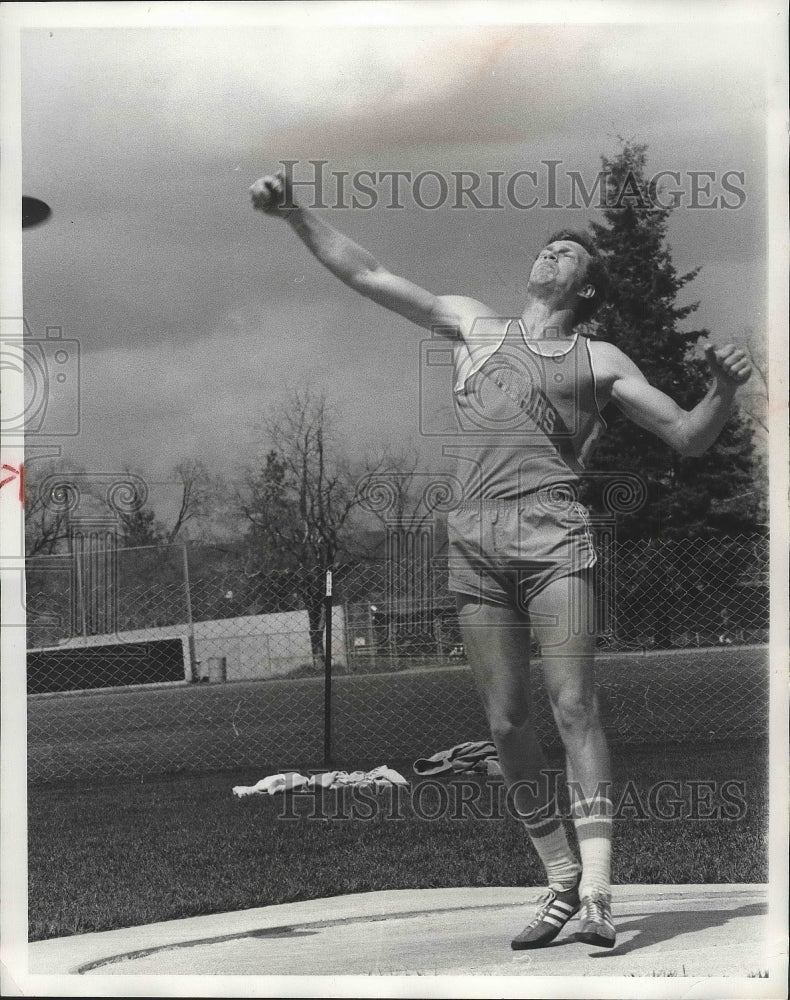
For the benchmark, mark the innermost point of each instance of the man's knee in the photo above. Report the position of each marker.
(509, 723)
(575, 709)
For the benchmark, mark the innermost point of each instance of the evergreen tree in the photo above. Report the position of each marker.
(718, 492)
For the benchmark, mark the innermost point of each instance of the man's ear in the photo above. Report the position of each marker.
(587, 292)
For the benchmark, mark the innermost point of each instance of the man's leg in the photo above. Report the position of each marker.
(563, 617)
(497, 641)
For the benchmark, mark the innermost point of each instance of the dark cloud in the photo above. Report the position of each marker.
(192, 309)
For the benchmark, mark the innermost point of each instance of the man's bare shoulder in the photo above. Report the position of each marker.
(459, 313)
(609, 361)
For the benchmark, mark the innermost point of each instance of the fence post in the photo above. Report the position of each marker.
(190, 623)
(328, 669)
(79, 620)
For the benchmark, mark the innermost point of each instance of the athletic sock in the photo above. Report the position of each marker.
(549, 839)
(592, 819)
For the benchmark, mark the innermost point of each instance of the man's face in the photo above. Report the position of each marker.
(561, 266)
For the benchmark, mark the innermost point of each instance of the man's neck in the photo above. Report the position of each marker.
(541, 321)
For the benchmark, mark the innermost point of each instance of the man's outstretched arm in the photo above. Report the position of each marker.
(690, 432)
(351, 263)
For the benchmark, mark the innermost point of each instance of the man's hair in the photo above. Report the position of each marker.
(596, 275)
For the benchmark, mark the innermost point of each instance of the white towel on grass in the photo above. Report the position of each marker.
(380, 777)
(272, 784)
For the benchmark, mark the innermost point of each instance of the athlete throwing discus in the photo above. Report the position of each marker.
(528, 396)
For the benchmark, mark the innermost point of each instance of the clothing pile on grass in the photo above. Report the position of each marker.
(471, 757)
(464, 758)
(292, 781)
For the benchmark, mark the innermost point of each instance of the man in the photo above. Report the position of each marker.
(528, 397)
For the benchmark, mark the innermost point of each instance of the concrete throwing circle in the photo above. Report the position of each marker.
(691, 930)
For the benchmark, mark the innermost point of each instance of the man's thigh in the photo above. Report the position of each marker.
(563, 618)
(497, 639)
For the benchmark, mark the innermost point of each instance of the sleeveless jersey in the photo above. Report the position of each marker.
(527, 411)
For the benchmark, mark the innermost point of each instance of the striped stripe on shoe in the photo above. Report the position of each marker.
(554, 911)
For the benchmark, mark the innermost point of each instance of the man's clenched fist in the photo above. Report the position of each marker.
(272, 194)
(728, 362)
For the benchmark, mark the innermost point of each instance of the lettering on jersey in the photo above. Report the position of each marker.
(541, 410)
(535, 405)
(533, 401)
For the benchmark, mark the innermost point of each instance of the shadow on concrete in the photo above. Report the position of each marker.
(653, 928)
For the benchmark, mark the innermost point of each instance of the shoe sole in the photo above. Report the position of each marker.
(597, 939)
(530, 945)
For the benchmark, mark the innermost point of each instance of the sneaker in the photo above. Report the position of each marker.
(596, 921)
(554, 911)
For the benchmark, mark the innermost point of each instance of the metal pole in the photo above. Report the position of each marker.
(80, 588)
(190, 624)
(328, 670)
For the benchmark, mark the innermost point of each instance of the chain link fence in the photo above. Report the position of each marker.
(186, 658)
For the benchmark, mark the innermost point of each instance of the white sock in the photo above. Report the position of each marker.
(549, 839)
(593, 822)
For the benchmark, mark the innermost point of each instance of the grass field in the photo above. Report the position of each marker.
(132, 818)
(673, 696)
(108, 854)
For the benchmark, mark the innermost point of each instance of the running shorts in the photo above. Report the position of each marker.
(507, 551)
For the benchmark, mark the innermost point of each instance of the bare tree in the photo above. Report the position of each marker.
(196, 492)
(46, 507)
(318, 479)
(139, 522)
(401, 492)
(298, 503)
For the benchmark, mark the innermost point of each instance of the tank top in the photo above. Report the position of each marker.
(526, 411)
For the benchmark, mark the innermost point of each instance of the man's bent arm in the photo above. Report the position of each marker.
(690, 432)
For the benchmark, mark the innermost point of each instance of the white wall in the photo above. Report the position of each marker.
(254, 646)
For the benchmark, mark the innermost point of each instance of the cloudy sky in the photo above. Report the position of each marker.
(193, 312)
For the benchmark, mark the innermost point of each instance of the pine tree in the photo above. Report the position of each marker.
(718, 492)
